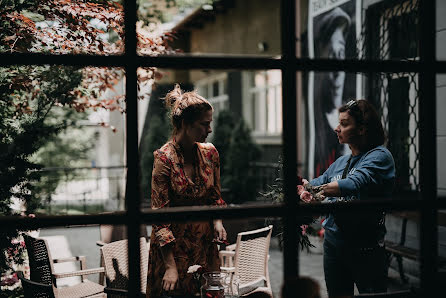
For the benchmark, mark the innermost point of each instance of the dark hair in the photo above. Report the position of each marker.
(185, 106)
(365, 114)
(328, 23)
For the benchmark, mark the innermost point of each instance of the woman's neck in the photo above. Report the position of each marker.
(186, 146)
(355, 149)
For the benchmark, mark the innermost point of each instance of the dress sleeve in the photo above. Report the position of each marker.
(218, 201)
(160, 195)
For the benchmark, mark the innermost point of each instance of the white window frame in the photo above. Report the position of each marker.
(219, 102)
(267, 116)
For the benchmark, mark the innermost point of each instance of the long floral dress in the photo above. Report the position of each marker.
(192, 242)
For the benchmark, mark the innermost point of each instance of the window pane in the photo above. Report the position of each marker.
(68, 27)
(215, 89)
(247, 139)
(67, 127)
(440, 30)
(394, 96)
(400, 244)
(219, 27)
(441, 133)
(380, 30)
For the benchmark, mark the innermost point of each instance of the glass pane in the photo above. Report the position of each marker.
(259, 243)
(246, 129)
(67, 129)
(212, 27)
(395, 98)
(441, 133)
(440, 11)
(68, 27)
(361, 252)
(359, 29)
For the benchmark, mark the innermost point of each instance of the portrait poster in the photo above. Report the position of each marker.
(333, 33)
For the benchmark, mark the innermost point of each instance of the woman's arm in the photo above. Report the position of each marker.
(163, 233)
(219, 229)
(374, 171)
(170, 278)
(331, 189)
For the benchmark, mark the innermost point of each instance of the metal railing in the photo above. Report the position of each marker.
(83, 189)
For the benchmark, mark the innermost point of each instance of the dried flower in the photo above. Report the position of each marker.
(194, 269)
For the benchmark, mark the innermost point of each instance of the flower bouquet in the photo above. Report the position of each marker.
(307, 193)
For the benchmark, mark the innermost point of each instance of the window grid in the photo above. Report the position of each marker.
(428, 205)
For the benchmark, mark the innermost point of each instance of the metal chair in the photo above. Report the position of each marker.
(248, 259)
(115, 260)
(42, 275)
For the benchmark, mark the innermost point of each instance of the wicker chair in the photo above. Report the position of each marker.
(115, 261)
(35, 289)
(42, 273)
(248, 259)
(112, 233)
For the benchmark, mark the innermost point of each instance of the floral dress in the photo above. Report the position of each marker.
(192, 242)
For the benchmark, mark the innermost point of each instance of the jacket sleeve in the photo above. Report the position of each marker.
(375, 175)
(160, 195)
(322, 179)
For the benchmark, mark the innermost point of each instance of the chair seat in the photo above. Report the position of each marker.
(260, 290)
(84, 289)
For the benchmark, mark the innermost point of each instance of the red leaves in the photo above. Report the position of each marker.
(74, 26)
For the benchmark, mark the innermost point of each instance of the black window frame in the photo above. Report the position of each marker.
(426, 201)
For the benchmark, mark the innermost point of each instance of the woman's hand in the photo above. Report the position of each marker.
(220, 232)
(304, 195)
(170, 279)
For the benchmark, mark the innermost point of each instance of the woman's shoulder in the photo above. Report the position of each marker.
(379, 154)
(207, 147)
(166, 151)
(208, 150)
(380, 151)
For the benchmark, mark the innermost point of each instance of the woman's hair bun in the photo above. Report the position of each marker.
(173, 98)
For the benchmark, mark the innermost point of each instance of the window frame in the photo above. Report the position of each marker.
(426, 201)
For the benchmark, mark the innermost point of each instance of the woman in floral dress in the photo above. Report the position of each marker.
(186, 172)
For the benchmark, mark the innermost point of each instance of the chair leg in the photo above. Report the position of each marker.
(101, 274)
(401, 269)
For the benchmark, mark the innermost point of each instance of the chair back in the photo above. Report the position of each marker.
(116, 264)
(34, 289)
(251, 256)
(111, 233)
(40, 261)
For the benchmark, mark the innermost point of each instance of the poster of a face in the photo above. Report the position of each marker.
(333, 30)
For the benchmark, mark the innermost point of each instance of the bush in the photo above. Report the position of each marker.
(158, 134)
(241, 152)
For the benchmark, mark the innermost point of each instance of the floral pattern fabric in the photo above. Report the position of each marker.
(193, 242)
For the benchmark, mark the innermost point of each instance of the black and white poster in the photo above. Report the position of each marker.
(333, 32)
